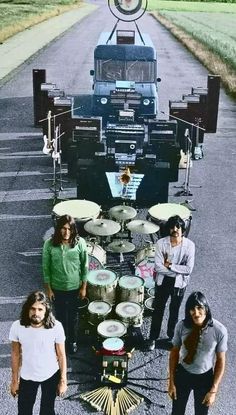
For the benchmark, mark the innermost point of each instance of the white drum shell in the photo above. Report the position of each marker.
(98, 311)
(100, 290)
(97, 256)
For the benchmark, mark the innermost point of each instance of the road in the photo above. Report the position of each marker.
(27, 203)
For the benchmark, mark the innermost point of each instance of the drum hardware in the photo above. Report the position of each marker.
(161, 212)
(142, 227)
(102, 227)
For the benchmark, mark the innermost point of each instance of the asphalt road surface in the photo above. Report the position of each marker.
(27, 203)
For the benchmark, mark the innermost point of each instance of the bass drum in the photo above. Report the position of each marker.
(101, 285)
(130, 313)
(81, 210)
(97, 256)
(163, 211)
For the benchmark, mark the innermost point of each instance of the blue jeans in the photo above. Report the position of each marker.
(162, 293)
(185, 382)
(28, 391)
(66, 311)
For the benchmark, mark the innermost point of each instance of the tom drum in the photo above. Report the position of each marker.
(98, 311)
(130, 313)
(111, 328)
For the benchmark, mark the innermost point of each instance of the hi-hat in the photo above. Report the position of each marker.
(120, 247)
(102, 227)
(122, 212)
(142, 226)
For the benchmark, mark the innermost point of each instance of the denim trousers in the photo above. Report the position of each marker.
(162, 294)
(186, 382)
(66, 311)
(28, 391)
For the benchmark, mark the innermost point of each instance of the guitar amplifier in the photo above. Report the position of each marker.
(86, 128)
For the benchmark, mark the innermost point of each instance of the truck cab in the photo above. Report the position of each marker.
(125, 74)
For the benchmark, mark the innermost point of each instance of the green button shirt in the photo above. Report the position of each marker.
(64, 268)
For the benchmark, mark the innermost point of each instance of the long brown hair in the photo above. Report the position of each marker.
(37, 296)
(57, 237)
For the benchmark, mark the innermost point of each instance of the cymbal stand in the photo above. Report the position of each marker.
(186, 185)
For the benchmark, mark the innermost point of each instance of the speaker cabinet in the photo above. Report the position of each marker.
(213, 85)
(39, 76)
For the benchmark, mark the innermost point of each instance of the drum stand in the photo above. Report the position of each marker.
(56, 156)
(186, 185)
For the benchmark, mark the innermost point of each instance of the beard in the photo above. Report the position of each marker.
(36, 320)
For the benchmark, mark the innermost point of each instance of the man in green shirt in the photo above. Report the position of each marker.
(65, 268)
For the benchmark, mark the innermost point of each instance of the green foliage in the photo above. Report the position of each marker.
(202, 26)
(197, 6)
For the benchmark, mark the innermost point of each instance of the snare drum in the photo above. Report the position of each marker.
(111, 328)
(131, 289)
(97, 256)
(130, 312)
(80, 210)
(98, 311)
(113, 346)
(101, 285)
(163, 211)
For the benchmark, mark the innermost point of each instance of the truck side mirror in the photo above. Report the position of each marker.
(91, 72)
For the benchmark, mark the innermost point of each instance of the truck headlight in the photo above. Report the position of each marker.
(146, 101)
(103, 100)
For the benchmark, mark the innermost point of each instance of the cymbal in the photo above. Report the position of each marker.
(142, 226)
(102, 227)
(122, 212)
(121, 246)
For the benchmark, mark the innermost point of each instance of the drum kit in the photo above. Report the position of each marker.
(116, 303)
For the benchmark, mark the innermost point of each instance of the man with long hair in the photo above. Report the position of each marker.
(174, 262)
(38, 356)
(65, 268)
(197, 359)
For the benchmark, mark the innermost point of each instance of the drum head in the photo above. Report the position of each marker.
(130, 283)
(128, 309)
(113, 345)
(151, 292)
(149, 303)
(101, 277)
(78, 209)
(163, 211)
(99, 307)
(111, 328)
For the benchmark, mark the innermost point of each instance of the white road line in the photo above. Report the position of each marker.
(23, 217)
(33, 252)
(20, 136)
(12, 300)
(22, 173)
(12, 157)
(34, 194)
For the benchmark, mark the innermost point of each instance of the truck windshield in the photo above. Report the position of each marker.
(111, 70)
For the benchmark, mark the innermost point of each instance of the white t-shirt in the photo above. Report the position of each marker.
(39, 359)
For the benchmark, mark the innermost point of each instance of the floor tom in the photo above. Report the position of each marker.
(131, 288)
(101, 285)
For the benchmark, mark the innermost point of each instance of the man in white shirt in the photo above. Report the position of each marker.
(174, 262)
(38, 356)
